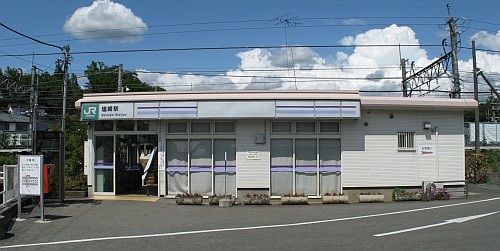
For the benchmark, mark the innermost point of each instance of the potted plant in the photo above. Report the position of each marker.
(441, 194)
(189, 199)
(334, 198)
(256, 199)
(399, 194)
(214, 199)
(294, 199)
(371, 197)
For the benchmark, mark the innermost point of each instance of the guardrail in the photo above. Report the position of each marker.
(9, 177)
(430, 189)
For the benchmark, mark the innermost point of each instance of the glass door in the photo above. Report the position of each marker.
(104, 165)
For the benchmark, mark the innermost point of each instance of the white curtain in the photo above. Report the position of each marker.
(305, 166)
(225, 171)
(281, 166)
(329, 165)
(201, 166)
(177, 164)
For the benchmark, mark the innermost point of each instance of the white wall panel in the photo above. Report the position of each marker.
(370, 156)
(251, 173)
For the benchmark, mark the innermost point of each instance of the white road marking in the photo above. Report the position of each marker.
(457, 220)
(240, 228)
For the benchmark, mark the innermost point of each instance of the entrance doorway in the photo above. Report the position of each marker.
(136, 164)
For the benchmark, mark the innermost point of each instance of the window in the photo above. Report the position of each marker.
(224, 128)
(305, 127)
(329, 127)
(200, 127)
(125, 125)
(103, 125)
(406, 141)
(281, 127)
(177, 127)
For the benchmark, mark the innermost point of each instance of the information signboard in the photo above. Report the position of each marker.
(30, 170)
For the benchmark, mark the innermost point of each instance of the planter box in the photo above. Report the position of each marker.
(225, 202)
(214, 199)
(335, 199)
(188, 200)
(363, 198)
(256, 200)
(295, 200)
(407, 196)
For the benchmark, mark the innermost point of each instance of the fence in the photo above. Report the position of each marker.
(9, 176)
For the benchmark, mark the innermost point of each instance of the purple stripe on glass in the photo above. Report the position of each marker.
(228, 169)
(103, 167)
(177, 112)
(349, 106)
(306, 169)
(328, 106)
(177, 169)
(281, 169)
(200, 169)
(295, 106)
(147, 112)
(178, 107)
(294, 111)
(330, 169)
(147, 107)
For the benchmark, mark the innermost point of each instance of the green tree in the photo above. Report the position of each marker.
(103, 78)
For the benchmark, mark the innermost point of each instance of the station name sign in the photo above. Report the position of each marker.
(108, 111)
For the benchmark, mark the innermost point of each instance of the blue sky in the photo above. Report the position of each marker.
(336, 26)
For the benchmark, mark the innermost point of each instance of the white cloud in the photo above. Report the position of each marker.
(489, 40)
(354, 21)
(106, 19)
(364, 68)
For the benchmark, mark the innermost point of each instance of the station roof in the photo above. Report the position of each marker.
(367, 102)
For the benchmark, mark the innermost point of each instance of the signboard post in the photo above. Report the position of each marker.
(31, 180)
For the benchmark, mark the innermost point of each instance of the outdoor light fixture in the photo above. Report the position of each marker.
(427, 125)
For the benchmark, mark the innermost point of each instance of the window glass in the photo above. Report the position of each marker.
(281, 127)
(177, 127)
(406, 140)
(125, 125)
(200, 127)
(224, 127)
(329, 127)
(305, 127)
(103, 125)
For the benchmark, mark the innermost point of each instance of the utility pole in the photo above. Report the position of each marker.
(403, 77)
(454, 58)
(62, 156)
(32, 111)
(120, 72)
(476, 97)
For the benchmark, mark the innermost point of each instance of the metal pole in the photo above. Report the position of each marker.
(476, 97)
(403, 75)
(225, 164)
(120, 70)
(42, 205)
(63, 126)
(456, 80)
(32, 109)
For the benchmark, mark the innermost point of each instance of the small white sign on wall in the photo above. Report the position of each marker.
(253, 155)
(427, 150)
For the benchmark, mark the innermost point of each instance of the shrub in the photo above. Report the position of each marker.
(75, 183)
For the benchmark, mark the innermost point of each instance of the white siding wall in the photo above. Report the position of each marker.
(162, 153)
(370, 157)
(251, 173)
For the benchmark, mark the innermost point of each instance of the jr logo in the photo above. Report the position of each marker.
(90, 111)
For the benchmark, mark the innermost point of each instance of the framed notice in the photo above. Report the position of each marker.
(253, 155)
(30, 174)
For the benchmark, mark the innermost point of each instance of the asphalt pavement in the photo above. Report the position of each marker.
(86, 224)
